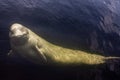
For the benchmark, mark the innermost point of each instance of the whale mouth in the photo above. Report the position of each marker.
(18, 36)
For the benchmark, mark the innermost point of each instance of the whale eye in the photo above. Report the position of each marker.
(11, 32)
(23, 30)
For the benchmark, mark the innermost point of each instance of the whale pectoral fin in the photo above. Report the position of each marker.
(10, 53)
(41, 52)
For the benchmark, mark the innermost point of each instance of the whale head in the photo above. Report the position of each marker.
(18, 34)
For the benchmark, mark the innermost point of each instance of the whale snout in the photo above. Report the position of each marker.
(15, 26)
(17, 30)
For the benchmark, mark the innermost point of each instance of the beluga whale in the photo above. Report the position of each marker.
(34, 48)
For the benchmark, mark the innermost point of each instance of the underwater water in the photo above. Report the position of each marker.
(89, 25)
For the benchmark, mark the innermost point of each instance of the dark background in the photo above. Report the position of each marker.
(90, 25)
